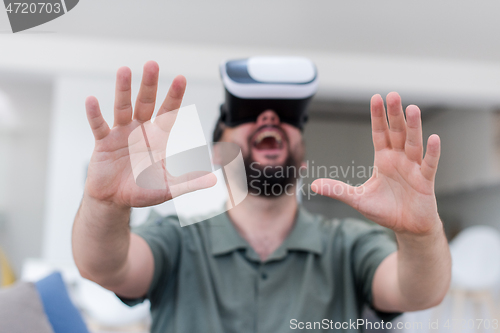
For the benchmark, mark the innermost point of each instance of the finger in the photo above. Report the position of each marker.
(337, 190)
(431, 159)
(155, 176)
(413, 146)
(123, 103)
(191, 182)
(146, 99)
(99, 127)
(397, 123)
(380, 129)
(173, 100)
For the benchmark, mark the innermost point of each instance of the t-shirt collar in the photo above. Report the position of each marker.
(305, 236)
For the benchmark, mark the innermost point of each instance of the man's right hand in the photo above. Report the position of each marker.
(104, 249)
(110, 178)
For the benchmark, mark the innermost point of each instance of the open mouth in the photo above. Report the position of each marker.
(268, 139)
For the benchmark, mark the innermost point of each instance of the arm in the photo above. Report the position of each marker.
(400, 196)
(421, 271)
(104, 249)
(106, 252)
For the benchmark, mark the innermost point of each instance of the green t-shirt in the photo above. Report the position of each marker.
(209, 279)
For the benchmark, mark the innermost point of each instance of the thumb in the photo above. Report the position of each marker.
(337, 190)
(190, 182)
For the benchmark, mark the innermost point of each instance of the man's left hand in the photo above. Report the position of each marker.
(400, 193)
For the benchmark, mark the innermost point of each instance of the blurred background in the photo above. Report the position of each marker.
(443, 56)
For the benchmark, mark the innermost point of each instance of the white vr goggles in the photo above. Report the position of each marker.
(282, 84)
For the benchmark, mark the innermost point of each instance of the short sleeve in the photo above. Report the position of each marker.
(372, 245)
(163, 236)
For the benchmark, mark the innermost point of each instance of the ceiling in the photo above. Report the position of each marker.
(459, 29)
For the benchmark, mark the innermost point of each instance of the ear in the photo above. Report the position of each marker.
(219, 130)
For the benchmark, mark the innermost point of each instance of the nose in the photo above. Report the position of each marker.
(268, 117)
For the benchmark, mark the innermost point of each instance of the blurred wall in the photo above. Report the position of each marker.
(24, 166)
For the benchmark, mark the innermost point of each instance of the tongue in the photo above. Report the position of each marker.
(267, 143)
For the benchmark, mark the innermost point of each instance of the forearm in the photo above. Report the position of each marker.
(100, 240)
(423, 268)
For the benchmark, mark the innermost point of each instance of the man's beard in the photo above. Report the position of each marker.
(271, 181)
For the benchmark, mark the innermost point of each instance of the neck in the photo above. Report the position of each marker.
(265, 222)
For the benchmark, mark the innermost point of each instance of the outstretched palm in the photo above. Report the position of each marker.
(400, 193)
(110, 175)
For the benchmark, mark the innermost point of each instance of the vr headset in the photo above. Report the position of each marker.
(282, 84)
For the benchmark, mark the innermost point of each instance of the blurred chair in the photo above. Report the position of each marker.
(102, 311)
(43, 306)
(475, 256)
(476, 270)
(63, 315)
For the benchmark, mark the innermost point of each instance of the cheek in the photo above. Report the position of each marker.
(240, 137)
(294, 135)
(243, 146)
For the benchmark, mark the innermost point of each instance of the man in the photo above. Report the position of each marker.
(266, 265)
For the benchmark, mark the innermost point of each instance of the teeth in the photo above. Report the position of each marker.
(267, 134)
